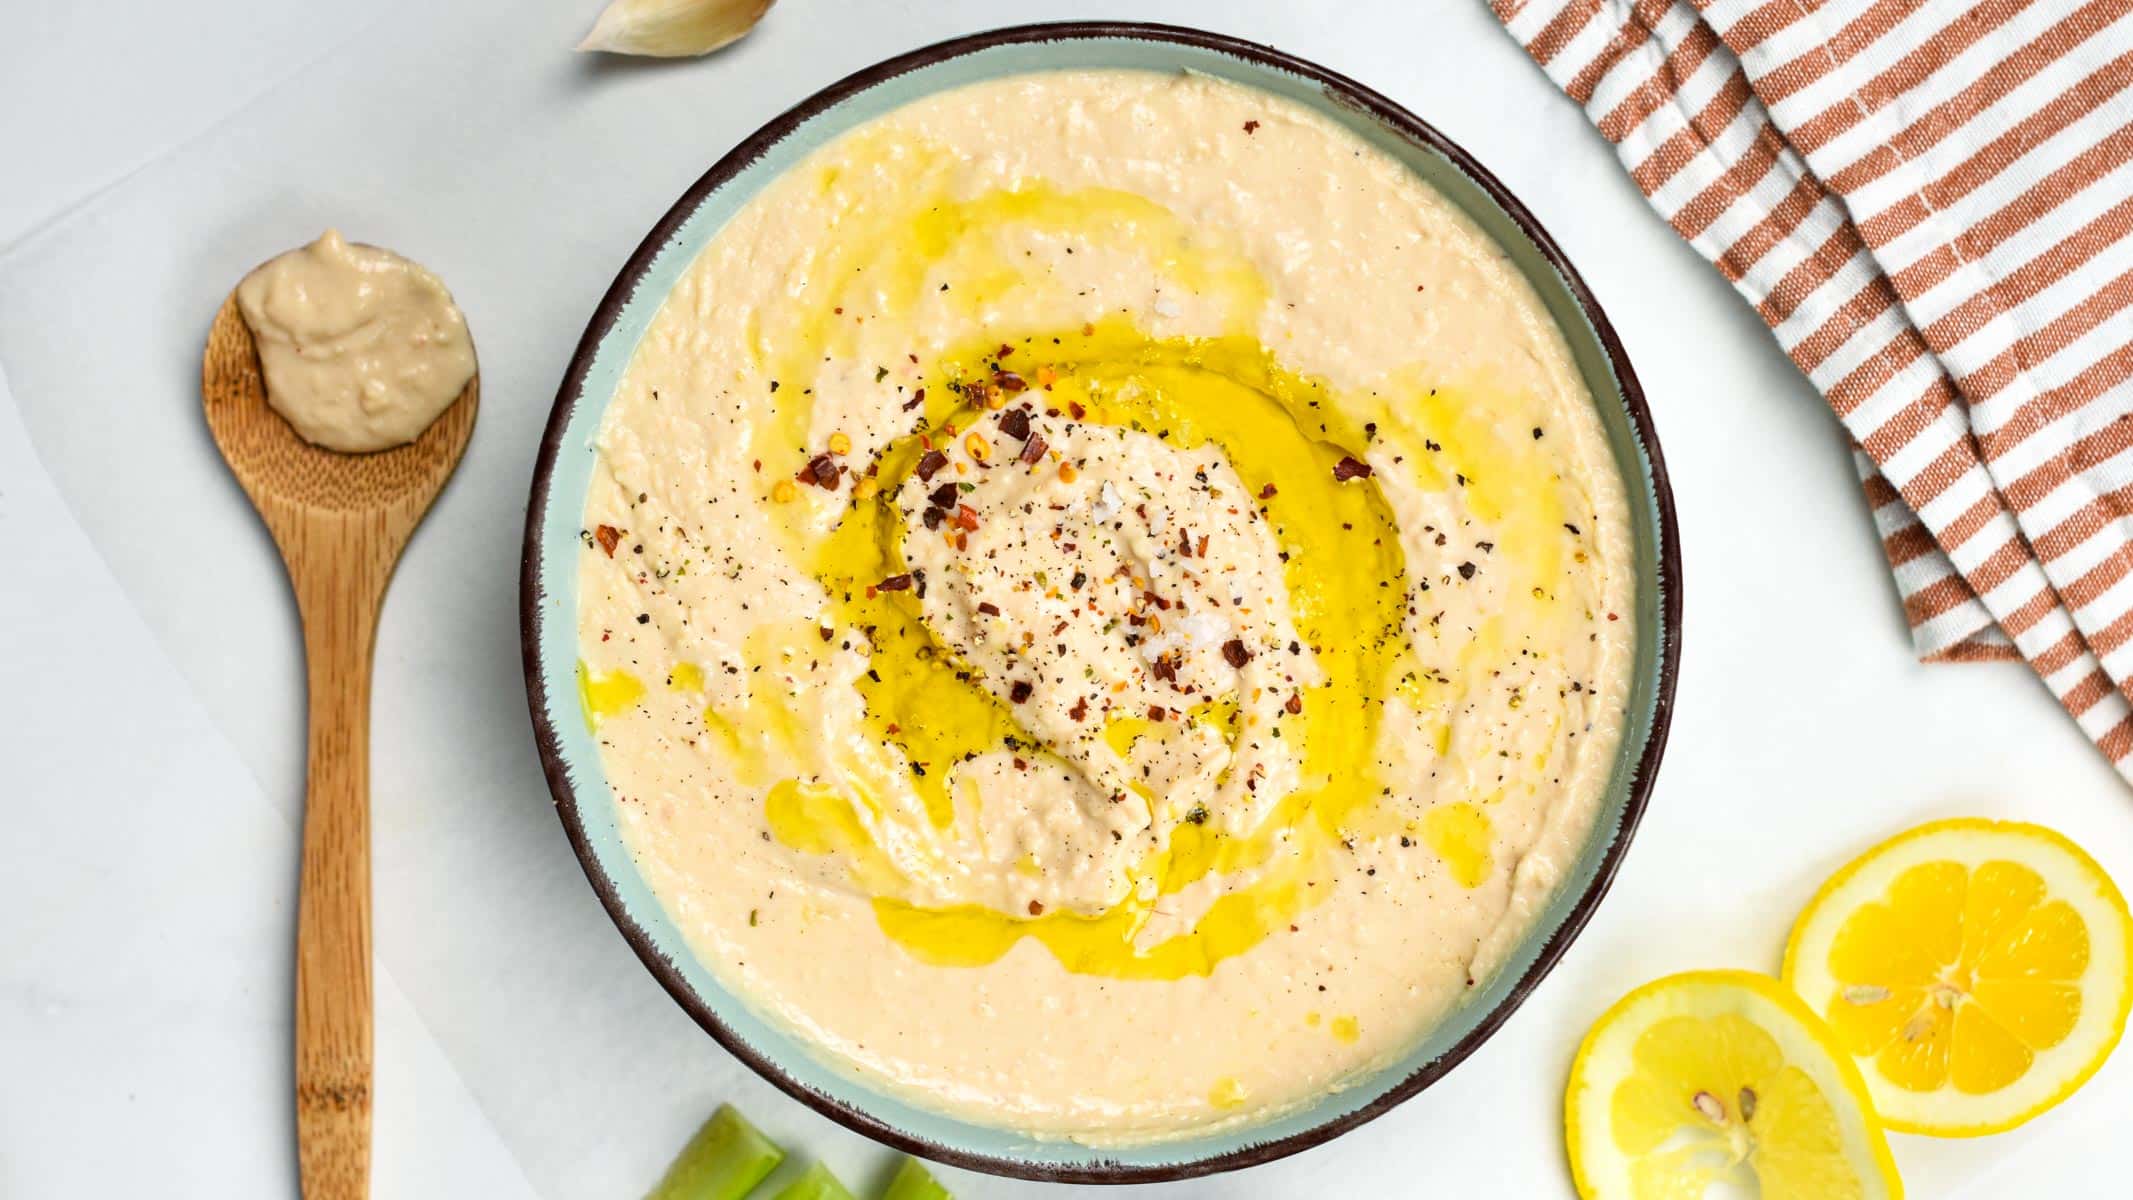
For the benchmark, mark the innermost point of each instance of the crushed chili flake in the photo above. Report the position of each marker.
(1076, 411)
(822, 471)
(1466, 570)
(1015, 423)
(930, 462)
(1009, 381)
(1165, 668)
(917, 398)
(1251, 126)
(1080, 710)
(1234, 651)
(608, 536)
(1295, 703)
(1347, 468)
(933, 517)
(943, 496)
(1036, 908)
(1267, 492)
(1033, 450)
(1157, 712)
(895, 583)
(988, 608)
(826, 632)
(966, 517)
(1019, 690)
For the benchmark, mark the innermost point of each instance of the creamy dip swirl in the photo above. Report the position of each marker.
(1105, 604)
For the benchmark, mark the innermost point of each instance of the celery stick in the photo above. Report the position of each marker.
(913, 1182)
(817, 1184)
(724, 1161)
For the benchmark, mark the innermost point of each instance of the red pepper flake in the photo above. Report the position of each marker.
(1234, 651)
(895, 583)
(1466, 570)
(917, 398)
(932, 461)
(988, 608)
(1033, 450)
(978, 392)
(1009, 381)
(1166, 668)
(1295, 704)
(1036, 908)
(966, 517)
(1076, 411)
(1348, 468)
(608, 536)
(1613, 617)
(1015, 423)
(1006, 351)
(934, 517)
(1019, 690)
(1251, 126)
(1080, 709)
(943, 496)
(1200, 549)
(826, 632)
(1157, 712)
(821, 471)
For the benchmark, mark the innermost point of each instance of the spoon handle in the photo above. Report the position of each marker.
(339, 577)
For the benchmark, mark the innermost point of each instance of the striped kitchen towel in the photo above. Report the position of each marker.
(1930, 202)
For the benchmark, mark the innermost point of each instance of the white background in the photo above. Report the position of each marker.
(150, 700)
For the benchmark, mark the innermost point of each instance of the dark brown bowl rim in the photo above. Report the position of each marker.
(1346, 91)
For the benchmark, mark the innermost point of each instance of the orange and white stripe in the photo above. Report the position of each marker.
(1930, 202)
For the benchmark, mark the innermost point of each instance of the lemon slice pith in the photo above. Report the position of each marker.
(1976, 970)
(1711, 1076)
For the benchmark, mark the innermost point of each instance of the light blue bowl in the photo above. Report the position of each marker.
(548, 597)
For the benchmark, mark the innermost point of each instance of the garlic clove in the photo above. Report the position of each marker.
(672, 28)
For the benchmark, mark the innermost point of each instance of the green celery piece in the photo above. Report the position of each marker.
(913, 1182)
(724, 1161)
(817, 1184)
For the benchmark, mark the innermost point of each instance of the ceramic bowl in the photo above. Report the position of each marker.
(549, 590)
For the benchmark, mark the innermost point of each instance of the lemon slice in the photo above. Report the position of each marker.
(1977, 971)
(1721, 1077)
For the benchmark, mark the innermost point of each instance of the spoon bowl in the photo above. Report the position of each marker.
(340, 522)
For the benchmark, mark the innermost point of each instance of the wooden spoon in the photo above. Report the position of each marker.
(340, 521)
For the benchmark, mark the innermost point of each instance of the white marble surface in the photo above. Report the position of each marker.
(150, 729)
